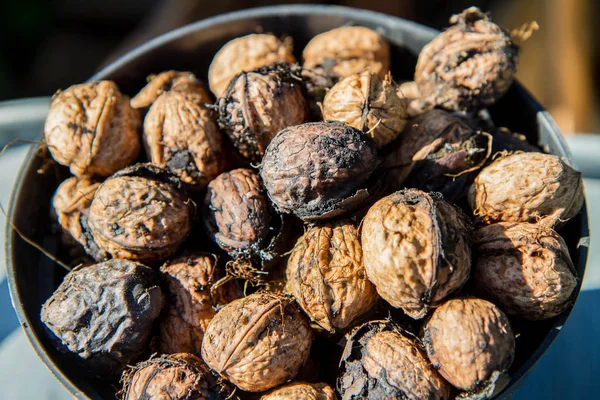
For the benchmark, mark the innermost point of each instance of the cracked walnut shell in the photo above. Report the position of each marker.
(92, 129)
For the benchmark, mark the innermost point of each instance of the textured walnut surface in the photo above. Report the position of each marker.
(315, 170)
(325, 273)
(246, 53)
(191, 301)
(103, 314)
(257, 342)
(139, 218)
(71, 198)
(169, 81)
(524, 268)
(302, 391)
(525, 187)
(468, 66)
(260, 103)
(92, 129)
(470, 342)
(369, 104)
(381, 361)
(416, 249)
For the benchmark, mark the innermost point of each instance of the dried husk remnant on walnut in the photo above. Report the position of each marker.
(191, 301)
(437, 152)
(382, 361)
(103, 314)
(524, 187)
(179, 376)
(258, 342)
(368, 103)
(416, 249)
(302, 391)
(523, 268)
(180, 132)
(468, 66)
(260, 103)
(325, 273)
(92, 129)
(471, 343)
(319, 170)
(139, 213)
(246, 53)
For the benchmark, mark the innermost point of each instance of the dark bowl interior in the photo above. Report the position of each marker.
(33, 277)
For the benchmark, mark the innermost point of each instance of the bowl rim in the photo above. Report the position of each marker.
(376, 18)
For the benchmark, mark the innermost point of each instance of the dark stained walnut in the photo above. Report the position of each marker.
(260, 103)
(381, 361)
(92, 129)
(244, 54)
(471, 343)
(102, 314)
(319, 170)
(302, 391)
(525, 269)
(258, 342)
(180, 131)
(416, 250)
(468, 66)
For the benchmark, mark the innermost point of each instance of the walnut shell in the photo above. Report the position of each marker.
(524, 187)
(471, 343)
(260, 103)
(381, 361)
(257, 342)
(237, 214)
(246, 53)
(416, 249)
(92, 129)
(192, 301)
(180, 132)
(325, 273)
(347, 50)
(318, 170)
(180, 376)
(102, 314)
(302, 391)
(139, 215)
(468, 66)
(70, 200)
(369, 104)
(524, 268)
(437, 152)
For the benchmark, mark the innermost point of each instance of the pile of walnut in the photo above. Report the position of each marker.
(366, 239)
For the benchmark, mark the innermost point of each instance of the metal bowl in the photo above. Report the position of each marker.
(33, 277)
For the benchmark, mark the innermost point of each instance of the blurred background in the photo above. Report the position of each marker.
(46, 45)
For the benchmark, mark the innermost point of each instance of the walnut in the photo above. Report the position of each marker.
(260, 103)
(523, 187)
(325, 274)
(92, 129)
(319, 170)
(246, 53)
(71, 199)
(180, 376)
(437, 152)
(524, 268)
(369, 104)
(296, 391)
(416, 250)
(382, 361)
(257, 342)
(471, 343)
(468, 66)
(102, 314)
(180, 132)
(192, 300)
(139, 214)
